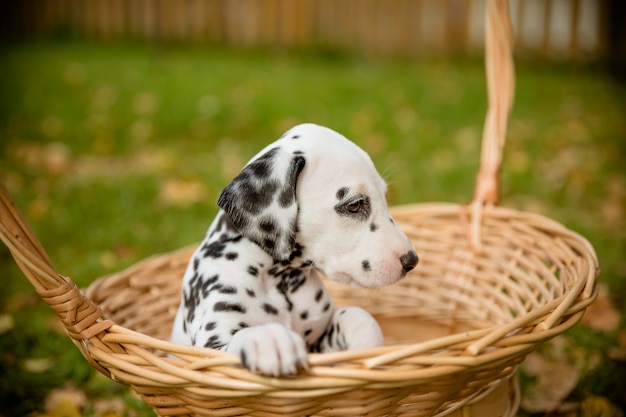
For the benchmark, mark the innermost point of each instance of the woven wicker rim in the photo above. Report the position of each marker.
(513, 279)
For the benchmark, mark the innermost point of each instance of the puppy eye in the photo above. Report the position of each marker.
(355, 206)
(358, 208)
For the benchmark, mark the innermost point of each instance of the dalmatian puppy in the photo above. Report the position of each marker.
(310, 203)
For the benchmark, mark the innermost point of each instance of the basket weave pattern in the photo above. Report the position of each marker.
(492, 284)
(532, 281)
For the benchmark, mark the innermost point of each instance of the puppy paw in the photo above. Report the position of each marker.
(270, 349)
(360, 329)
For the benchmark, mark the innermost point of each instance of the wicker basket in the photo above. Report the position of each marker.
(492, 284)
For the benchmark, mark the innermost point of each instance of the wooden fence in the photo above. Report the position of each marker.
(561, 29)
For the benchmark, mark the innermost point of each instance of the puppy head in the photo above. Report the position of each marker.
(316, 192)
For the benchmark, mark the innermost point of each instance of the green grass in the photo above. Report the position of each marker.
(93, 137)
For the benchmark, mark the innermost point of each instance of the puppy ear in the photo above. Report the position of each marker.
(261, 201)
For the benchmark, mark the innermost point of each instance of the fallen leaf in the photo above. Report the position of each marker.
(555, 381)
(618, 353)
(598, 407)
(109, 407)
(64, 409)
(6, 323)
(612, 208)
(181, 192)
(37, 365)
(65, 402)
(602, 315)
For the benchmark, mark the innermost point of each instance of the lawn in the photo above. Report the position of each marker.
(114, 152)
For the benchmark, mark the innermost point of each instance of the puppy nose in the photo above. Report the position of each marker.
(408, 261)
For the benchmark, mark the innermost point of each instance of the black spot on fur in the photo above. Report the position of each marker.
(331, 331)
(253, 270)
(214, 342)
(326, 336)
(270, 309)
(210, 281)
(267, 224)
(308, 332)
(373, 227)
(217, 287)
(228, 290)
(228, 307)
(214, 249)
(250, 292)
(304, 315)
(297, 252)
(283, 287)
(255, 199)
(198, 287)
(295, 137)
(190, 299)
(341, 193)
(210, 326)
(223, 225)
(269, 244)
(244, 195)
(288, 193)
(242, 325)
(326, 307)
(262, 166)
(231, 256)
(319, 295)
(366, 265)
(210, 285)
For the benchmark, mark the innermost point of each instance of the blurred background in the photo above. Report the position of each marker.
(121, 120)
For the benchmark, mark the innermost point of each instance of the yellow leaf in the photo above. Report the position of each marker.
(6, 323)
(65, 409)
(181, 193)
(598, 407)
(65, 402)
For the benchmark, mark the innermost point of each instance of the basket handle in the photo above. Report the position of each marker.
(81, 317)
(500, 92)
